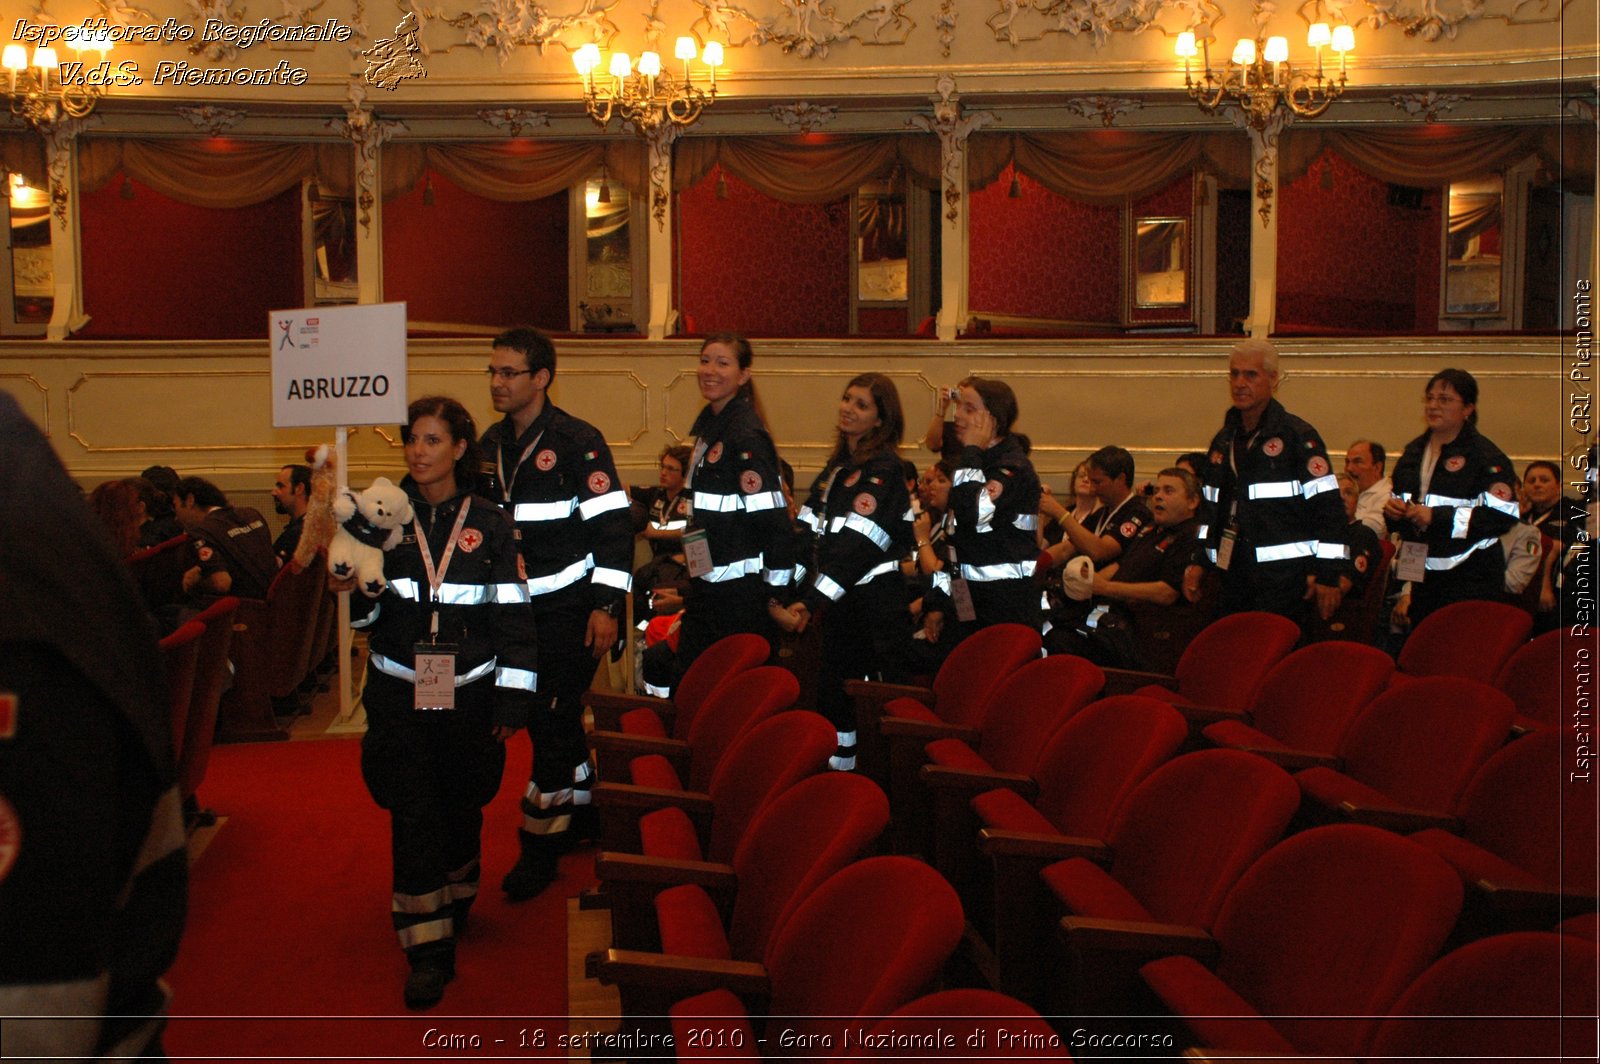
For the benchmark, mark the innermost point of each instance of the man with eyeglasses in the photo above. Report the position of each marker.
(554, 474)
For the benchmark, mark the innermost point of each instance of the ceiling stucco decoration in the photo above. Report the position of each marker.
(1019, 21)
(123, 13)
(952, 127)
(1433, 20)
(805, 28)
(804, 117)
(227, 12)
(945, 23)
(212, 121)
(1427, 106)
(1106, 108)
(503, 26)
(515, 121)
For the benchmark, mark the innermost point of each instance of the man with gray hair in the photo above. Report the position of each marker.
(1271, 519)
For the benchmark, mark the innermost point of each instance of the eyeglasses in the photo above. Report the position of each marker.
(506, 373)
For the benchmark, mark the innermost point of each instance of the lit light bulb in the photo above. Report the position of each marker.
(586, 58)
(685, 49)
(650, 64)
(1318, 36)
(1277, 50)
(1185, 47)
(45, 59)
(1244, 53)
(621, 64)
(713, 54)
(1344, 39)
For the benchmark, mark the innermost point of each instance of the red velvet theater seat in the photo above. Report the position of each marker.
(664, 718)
(762, 763)
(1533, 679)
(958, 696)
(1523, 996)
(966, 1023)
(1469, 639)
(731, 912)
(1314, 943)
(1024, 711)
(1415, 747)
(1223, 666)
(1305, 703)
(1183, 838)
(872, 938)
(212, 673)
(180, 658)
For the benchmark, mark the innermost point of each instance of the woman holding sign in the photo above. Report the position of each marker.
(450, 676)
(740, 542)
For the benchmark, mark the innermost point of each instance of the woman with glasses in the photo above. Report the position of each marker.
(1453, 498)
(740, 543)
(450, 677)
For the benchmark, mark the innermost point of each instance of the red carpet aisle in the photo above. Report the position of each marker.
(288, 918)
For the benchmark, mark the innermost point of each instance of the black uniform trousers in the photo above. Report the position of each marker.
(715, 611)
(863, 637)
(1481, 576)
(434, 771)
(1272, 587)
(563, 776)
(1001, 602)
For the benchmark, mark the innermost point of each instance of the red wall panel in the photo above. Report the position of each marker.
(1348, 259)
(154, 268)
(1042, 255)
(756, 265)
(881, 321)
(474, 261)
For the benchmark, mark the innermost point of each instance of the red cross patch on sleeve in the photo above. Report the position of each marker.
(599, 482)
(865, 504)
(545, 460)
(750, 481)
(470, 539)
(1317, 466)
(1454, 463)
(1273, 447)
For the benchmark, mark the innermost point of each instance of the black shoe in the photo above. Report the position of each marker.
(529, 878)
(425, 986)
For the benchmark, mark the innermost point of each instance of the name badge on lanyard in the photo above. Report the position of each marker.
(1412, 562)
(697, 553)
(433, 662)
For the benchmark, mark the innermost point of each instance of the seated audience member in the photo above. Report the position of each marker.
(1119, 517)
(1193, 461)
(1364, 546)
(1107, 629)
(930, 554)
(162, 524)
(1554, 514)
(1365, 462)
(660, 516)
(291, 492)
(1051, 509)
(232, 543)
(120, 508)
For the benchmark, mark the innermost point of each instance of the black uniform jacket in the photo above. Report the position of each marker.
(737, 497)
(859, 519)
(559, 484)
(1470, 495)
(482, 603)
(1283, 498)
(992, 515)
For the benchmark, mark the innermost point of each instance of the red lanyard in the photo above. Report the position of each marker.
(436, 577)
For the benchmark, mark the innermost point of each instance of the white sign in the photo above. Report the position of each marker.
(338, 365)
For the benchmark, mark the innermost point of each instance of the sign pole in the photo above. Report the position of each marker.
(341, 450)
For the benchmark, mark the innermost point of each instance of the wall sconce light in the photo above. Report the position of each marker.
(643, 93)
(37, 93)
(1260, 79)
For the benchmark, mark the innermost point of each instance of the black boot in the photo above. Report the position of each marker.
(534, 871)
(429, 974)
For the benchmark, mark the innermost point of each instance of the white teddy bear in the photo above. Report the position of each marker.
(368, 524)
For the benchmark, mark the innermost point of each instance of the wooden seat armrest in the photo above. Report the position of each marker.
(1295, 760)
(623, 745)
(609, 706)
(1200, 716)
(1038, 846)
(1393, 818)
(684, 976)
(645, 799)
(877, 692)
(1203, 1055)
(1132, 936)
(1126, 681)
(665, 871)
(946, 778)
(1535, 907)
(926, 731)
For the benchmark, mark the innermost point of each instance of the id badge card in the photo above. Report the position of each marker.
(435, 685)
(1412, 562)
(1225, 548)
(961, 595)
(697, 552)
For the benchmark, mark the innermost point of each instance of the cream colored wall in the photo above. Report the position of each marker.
(113, 409)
